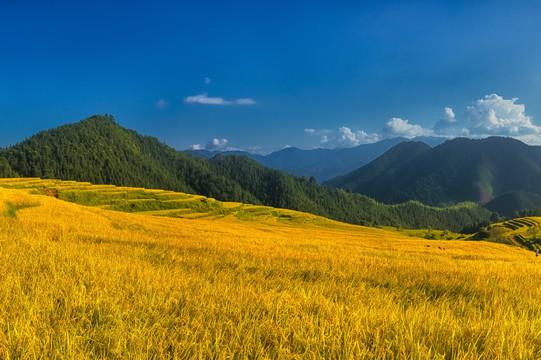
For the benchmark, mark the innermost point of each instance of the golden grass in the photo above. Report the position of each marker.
(83, 282)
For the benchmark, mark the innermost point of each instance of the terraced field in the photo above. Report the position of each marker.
(523, 232)
(172, 204)
(160, 202)
(229, 281)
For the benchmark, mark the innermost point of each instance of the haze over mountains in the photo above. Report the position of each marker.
(324, 164)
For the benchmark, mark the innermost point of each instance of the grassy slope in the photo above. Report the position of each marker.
(84, 282)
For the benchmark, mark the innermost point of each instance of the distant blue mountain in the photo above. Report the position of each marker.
(324, 164)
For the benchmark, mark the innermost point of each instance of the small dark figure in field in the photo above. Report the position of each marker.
(536, 252)
(428, 246)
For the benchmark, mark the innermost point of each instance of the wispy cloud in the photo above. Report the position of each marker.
(161, 104)
(314, 132)
(204, 99)
(207, 80)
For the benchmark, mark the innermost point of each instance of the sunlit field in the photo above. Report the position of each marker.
(228, 281)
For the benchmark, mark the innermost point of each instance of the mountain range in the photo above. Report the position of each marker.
(503, 174)
(100, 151)
(323, 164)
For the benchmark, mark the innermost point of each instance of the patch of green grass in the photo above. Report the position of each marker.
(11, 209)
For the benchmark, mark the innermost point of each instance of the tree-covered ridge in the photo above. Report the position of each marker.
(100, 151)
(459, 170)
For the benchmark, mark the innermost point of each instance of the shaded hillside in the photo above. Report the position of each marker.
(512, 203)
(100, 151)
(456, 171)
(397, 159)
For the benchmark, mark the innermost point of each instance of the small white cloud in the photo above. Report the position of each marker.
(216, 144)
(196, 147)
(161, 104)
(495, 115)
(397, 127)
(348, 138)
(204, 99)
(207, 80)
(446, 121)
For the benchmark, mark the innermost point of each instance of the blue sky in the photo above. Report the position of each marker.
(263, 75)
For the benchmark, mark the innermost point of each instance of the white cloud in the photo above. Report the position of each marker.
(397, 127)
(204, 99)
(446, 121)
(207, 80)
(216, 144)
(347, 137)
(196, 147)
(495, 115)
(161, 104)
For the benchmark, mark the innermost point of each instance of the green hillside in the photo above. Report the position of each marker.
(459, 170)
(100, 151)
(374, 175)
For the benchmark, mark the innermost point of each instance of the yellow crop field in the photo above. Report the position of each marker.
(80, 282)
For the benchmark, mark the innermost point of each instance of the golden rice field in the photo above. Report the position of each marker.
(80, 282)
